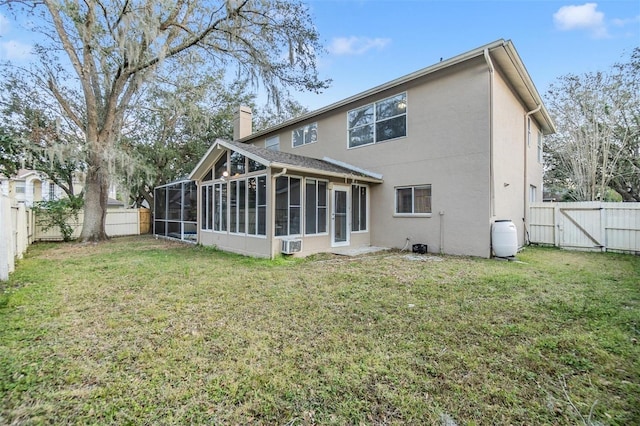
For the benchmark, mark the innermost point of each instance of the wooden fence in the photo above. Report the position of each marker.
(593, 226)
(19, 228)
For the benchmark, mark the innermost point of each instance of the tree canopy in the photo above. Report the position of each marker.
(597, 146)
(99, 59)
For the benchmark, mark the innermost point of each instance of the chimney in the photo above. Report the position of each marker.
(242, 123)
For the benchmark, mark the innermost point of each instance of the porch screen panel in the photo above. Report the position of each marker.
(262, 205)
(251, 206)
(233, 206)
(209, 207)
(242, 186)
(294, 206)
(161, 203)
(190, 202)
(203, 207)
(322, 206)
(315, 206)
(311, 205)
(282, 206)
(220, 207)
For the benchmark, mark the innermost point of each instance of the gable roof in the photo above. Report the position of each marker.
(283, 160)
(501, 51)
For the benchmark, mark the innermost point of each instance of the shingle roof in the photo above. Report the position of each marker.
(278, 159)
(299, 161)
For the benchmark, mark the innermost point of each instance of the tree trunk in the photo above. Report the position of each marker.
(96, 196)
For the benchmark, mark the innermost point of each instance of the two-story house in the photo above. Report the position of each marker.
(434, 157)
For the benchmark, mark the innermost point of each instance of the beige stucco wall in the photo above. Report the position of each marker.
(447, 146)
(511, 153)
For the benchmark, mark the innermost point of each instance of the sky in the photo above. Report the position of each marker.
(371, 42)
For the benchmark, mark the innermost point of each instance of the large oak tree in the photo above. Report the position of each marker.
(98, 57)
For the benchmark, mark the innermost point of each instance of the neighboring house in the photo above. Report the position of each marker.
(434, 157)
(30, 186)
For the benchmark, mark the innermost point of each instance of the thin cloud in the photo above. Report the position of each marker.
(625, 22)
(4, 24)
(356, 45)
(583, 17)
(15, 51)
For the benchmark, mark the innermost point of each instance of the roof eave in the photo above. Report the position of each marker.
(310, 170)
(381, 88)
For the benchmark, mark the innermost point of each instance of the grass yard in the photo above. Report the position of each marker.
(145, 331)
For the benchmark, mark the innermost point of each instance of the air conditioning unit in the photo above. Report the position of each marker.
(291, 246)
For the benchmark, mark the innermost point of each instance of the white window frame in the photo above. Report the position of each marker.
(309, 134)
(317, 208)
(366, 206)
(289, 207)
(413, 200)
(375, 121)
(206, 207)
(533, 191)
(540, 148)
(272, 143)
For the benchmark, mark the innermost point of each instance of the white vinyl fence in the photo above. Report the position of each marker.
(120, 222)
(18, 229)
(16, 225)
(593, 226)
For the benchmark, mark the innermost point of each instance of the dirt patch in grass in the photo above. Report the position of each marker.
(148, 331)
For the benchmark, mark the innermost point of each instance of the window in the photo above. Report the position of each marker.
(358, 208)
(220, 207)
(256, 205)
(315, 218)
(273, 143)
(377, 122)
(254, 166)
(52, 191)
(413, 200)
(532, 193)
(20, 188)
(206, 207)
(540, 147)
(287, 220)
(528, 131)
(238, 163)
(221, 166)
(304, 135)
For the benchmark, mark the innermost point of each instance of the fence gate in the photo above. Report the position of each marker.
(590, 226)
(581, 228)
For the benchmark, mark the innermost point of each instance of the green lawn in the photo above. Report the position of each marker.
(145, 331)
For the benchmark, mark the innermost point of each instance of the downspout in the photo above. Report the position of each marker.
(525, 188)
(492, 196)
(273, 206)
(277, 175)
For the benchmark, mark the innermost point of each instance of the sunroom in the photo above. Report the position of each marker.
(259, 202)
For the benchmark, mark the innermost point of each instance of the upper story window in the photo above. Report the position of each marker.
(379, 121)
(273, 143)
(304, 135)
(540, 147)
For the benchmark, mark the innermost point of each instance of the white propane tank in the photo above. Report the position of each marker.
(504, 238)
